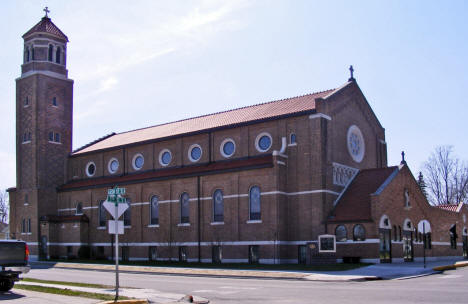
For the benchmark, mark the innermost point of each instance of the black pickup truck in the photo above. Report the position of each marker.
(14, 256)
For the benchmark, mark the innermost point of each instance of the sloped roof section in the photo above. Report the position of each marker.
(354, 204)
(450, 207)
(234, 117)
(46, 26)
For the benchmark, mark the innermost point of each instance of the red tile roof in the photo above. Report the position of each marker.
(46, 26)
(354, 204)
(234, 117)
(449, 207)
(264, 161)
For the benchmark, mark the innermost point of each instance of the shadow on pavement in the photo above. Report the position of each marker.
(11, 295)
(42, 265)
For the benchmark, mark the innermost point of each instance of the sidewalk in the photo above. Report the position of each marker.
(396, 270)
(372, 272)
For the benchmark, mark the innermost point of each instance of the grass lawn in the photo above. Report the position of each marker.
(67, 283)
(68, 292)
(239, 266)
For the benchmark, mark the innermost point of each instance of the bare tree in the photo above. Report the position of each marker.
(446, 176)
(4, 206)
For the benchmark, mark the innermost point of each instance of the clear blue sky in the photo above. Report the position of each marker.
(142, 63)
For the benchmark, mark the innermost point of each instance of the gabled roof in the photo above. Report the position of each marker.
(354, 204)
(259, 112)
(46, 26)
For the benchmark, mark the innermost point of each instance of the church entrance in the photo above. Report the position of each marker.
(408, 254)
(43, 247)
(385, 248)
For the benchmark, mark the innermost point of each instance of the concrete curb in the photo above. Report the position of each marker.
(450, 267)
(126, 302)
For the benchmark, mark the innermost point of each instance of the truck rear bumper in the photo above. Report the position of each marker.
(22, 269)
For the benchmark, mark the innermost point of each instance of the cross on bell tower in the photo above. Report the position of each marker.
(46, 10)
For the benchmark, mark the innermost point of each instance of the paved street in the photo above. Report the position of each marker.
(449, 287)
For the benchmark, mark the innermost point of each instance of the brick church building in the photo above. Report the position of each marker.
(299, 180)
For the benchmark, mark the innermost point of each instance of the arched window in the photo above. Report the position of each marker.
(218, 206)
(102, 214)
(341, 233)
(79, 209)
(32, 53)
(407, 225)
(154, 211)
(359, 233)
(128, 214)
(254, 203)
(385, 222)
(58, 54)
(28, 54)
(292, 139)
(51, 52)
(184, 208)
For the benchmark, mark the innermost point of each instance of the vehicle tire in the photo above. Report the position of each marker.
(6, 284)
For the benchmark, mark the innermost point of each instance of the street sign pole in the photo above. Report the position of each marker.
(116, 255)
(115, 196)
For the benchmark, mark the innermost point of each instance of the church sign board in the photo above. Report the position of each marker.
(327, 243)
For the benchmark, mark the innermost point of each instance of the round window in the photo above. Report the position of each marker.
(138, 161)
(195, 153)
(90, 169)
(263, 142)
(165, 157)
(228, 147)
(356, 145)
(113, 165)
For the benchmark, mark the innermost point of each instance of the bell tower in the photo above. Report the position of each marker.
(44, 110)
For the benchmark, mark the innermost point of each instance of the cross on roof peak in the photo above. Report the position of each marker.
(47, 11)
(403, 161)
(351, 71)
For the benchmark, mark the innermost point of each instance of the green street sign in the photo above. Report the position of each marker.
(116, 191)
(120, 191)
